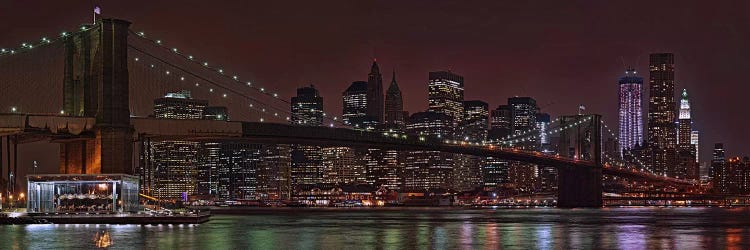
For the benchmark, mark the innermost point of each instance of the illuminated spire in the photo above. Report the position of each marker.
(684, 105)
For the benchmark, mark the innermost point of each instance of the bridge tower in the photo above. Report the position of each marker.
(580, 187)
(96, 85)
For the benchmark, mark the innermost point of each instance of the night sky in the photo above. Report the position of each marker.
(562, 54)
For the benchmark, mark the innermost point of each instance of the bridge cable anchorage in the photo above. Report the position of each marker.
(220, 72)
(259, 106)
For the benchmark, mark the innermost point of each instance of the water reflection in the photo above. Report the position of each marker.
(631, 236)
(734, 238)
(421, 229)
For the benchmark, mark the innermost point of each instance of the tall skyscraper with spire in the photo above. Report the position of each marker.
(630, 110)
(394, 104)
(685, 123)
(686, 149)
(375, 103)
(662, 132)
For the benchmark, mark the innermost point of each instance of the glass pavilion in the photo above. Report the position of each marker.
(82, 193)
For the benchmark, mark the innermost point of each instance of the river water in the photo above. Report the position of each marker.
(428, 228)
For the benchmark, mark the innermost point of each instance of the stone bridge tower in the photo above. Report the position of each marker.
(96, 85)
(580, 187)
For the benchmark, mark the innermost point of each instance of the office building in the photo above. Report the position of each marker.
(355, 105)
(662, 132)
(446, 95)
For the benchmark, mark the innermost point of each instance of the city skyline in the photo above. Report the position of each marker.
(554, 85)
(376, 124)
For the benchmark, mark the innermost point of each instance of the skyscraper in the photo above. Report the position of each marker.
(274, 173)
(237, 173)
(342, 166)
(523, 114)
(307, 107)
(542, 124)
(685, 123)
(695, 140)
(355, 104)
(467, 172)
(662, 132)
(630, 110)
(495, 170)
(500, 126)
(523, 111)
(179, 105)
(719, 170)
(307, 161)
(687, 166)
(208, 169)
(739, 177)
(375, 103)
(476, 121)
(171, 167)
(446, 95)
(426, 170)
(394, 104)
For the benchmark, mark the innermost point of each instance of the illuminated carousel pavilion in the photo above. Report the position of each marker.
(82, 193)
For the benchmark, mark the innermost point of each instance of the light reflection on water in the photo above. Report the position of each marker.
(628, 228)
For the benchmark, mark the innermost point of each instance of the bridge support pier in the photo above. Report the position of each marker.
(579, 187)
(79, 157)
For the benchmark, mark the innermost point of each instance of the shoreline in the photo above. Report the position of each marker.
(240, 210)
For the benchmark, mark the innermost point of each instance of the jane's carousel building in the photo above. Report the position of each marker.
(82, 193)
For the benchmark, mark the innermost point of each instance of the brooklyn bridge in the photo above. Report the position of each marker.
(111, 73)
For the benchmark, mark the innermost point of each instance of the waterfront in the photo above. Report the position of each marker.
(427, 228)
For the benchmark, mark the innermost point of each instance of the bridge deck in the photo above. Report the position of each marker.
(55, 127)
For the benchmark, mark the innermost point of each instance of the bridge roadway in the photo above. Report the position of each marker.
(32, 127)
